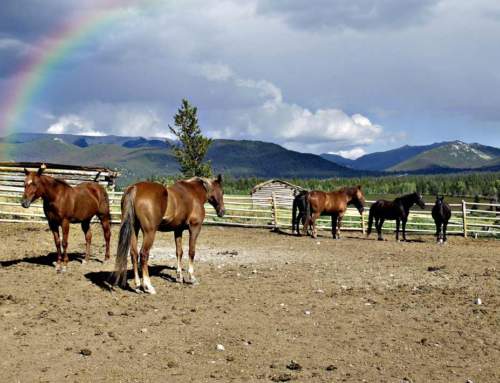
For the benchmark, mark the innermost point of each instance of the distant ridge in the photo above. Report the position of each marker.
(140, 158)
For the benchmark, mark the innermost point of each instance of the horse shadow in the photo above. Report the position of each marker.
(105, 279)
(44, 260)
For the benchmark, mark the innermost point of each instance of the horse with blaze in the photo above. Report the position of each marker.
(398, 210)
(63, 204)
(441, 213)
(333, 204)
(152, 207)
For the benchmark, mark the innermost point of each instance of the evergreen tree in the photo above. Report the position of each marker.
(193, 146)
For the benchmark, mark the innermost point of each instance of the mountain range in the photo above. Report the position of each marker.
(441, 157)
(141, 158)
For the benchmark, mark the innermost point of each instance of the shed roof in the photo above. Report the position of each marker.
(275, 180)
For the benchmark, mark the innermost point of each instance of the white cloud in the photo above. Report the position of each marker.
(73, 124)
(351, 154)
(122, 119)
(290, 124)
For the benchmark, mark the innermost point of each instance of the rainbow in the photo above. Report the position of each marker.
(33, 76)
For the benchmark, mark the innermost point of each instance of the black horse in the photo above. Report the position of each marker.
(299, 211)
(441, 213)
(398, 210)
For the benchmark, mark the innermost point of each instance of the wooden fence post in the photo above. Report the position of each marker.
(464, 217)
(274, 209)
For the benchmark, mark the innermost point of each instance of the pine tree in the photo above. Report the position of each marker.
(193, 146)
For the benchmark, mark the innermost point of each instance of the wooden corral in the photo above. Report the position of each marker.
(12, 174)
(274, 188)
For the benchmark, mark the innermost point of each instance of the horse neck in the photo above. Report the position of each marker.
(50, 188)
(408, 201)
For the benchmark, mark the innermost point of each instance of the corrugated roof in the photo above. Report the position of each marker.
(275, 180)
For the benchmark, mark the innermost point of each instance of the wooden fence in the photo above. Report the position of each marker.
(468, 218)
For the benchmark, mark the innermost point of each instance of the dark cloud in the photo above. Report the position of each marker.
(408, 67)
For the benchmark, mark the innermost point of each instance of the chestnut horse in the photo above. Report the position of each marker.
(63, 204)
(149, 206)
(333, 204)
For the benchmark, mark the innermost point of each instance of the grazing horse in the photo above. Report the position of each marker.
(398, 210)
(333, 204)
(299, 208)
(149, 206)
(63, 204)
(441, 213)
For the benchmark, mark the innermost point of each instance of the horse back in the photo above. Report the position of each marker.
(83, 201)
(327, 203)
(185, 204)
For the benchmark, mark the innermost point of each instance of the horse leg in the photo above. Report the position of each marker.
(445, 226)
(178, 253)
(398, 222)
(88, 239)
(134, 254)
(404, 229)
(65, 233)
(57, 241)
(314, 217)
(379, 229)
(194, 231)
(339, 224)
(106, 229)
(147, 243)
(334, 225)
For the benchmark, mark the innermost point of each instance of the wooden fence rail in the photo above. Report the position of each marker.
(468, 218)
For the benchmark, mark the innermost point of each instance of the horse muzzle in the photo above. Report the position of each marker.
(220, 213)
(25, 203)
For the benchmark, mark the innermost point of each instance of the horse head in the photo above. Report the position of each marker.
(358, 198)
(32, 186)
(419, 200)
(215, 194)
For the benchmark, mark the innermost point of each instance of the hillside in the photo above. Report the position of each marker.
(455, 155)
(441, 157)
(140, 158)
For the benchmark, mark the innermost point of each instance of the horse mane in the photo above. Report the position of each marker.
(349, 190)
(205, 182)
(57, 181)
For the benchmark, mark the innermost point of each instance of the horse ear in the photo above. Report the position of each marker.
(26, 171)
(359, 187)
(41, 169)
(219, 178)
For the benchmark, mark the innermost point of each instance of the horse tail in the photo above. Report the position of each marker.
(370, 220)
(126, 228)
(294, 213)
(307, 211)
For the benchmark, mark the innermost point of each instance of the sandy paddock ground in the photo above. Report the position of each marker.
(354, 310)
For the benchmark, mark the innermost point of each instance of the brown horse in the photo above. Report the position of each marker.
(333, 204)
(63, 204)
(149, 206)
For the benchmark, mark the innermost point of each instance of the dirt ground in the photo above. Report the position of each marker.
(353, 310)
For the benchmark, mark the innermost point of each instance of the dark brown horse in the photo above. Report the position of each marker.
(63, 204)
(398, 210)
(149, 206)
(333, 204)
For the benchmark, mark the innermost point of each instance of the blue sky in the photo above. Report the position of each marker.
(348, 76)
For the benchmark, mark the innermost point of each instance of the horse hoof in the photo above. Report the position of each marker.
(84, 262)
(63, 269)
(193, 281)
(380, 239)
(150, 290)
